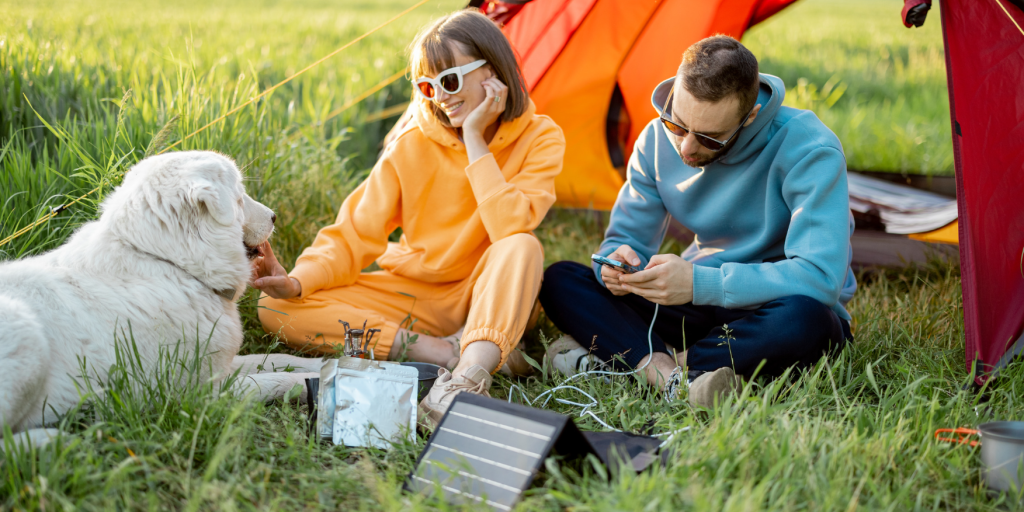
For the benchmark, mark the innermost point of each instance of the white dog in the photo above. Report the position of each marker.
(167, 256)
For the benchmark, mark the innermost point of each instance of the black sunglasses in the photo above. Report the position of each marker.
(704, 140)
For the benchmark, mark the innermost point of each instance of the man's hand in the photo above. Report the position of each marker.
(667, 280)
(624, 254)
(270, 277)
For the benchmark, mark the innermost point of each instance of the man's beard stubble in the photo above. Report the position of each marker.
(706, 160)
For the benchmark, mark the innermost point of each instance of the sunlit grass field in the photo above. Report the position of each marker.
(71, 63)
(880, 86)
(106, 76)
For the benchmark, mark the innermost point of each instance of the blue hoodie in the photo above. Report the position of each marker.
(772, 216)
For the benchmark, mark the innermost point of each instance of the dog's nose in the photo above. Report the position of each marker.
(273, 218)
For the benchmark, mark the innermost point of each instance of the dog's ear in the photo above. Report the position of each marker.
(215, 198)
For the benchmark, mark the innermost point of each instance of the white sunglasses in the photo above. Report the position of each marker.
(449, 80)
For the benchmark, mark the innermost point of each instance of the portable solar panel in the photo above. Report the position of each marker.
(489, 451)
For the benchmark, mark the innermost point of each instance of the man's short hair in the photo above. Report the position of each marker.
(718, 66)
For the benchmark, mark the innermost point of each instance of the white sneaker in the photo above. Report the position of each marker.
(569, 357)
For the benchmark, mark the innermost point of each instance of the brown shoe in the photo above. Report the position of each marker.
(709, 386)
(476, 380)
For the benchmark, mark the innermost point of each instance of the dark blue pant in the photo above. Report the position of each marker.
(790, 331)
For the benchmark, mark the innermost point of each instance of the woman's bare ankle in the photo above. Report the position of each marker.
(483, 353)
(425, 348)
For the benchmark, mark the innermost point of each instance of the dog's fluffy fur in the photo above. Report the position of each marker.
(170, 245)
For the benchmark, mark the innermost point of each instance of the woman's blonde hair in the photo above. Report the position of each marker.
(479, 38)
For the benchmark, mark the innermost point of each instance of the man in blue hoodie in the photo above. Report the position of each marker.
(762, 288)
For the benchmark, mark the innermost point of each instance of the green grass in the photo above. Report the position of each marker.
(71, 63)
(880, 86)
(853, 432)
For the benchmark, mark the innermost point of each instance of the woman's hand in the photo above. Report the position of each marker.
(485, 114)
(488, 111)
(270, 277)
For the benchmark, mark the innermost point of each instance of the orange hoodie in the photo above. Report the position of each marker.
(450, 210)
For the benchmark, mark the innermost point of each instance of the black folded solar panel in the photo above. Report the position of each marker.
(489, 451)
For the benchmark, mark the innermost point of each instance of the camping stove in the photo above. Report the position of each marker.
(355, 346)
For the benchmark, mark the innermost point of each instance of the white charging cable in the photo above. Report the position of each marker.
(593, 401)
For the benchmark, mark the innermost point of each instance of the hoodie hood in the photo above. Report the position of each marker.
(751, 139)
(507, 133)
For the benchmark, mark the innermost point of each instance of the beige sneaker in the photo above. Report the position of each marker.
(476, 380)
(709, 386)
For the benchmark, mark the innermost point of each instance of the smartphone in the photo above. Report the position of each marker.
(615, 265)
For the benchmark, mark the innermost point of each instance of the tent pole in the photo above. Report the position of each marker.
(1016, 349)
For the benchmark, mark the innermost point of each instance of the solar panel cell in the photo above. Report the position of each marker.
(488, 451)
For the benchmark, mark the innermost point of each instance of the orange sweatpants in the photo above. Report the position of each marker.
(494, 304)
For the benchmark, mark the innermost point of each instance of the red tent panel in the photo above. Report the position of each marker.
(541, 30)
(766, 9)
(985, 67)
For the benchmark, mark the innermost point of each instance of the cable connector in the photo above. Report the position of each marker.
(57, 209)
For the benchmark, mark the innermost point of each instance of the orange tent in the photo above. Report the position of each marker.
(591, 65)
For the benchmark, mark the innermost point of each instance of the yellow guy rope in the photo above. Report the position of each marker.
(54, 211)
(388, 81)
(366, 94)
(44, 218)
(1000, 4)
(388, 112)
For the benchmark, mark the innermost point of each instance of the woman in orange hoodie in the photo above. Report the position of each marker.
(467, 181)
